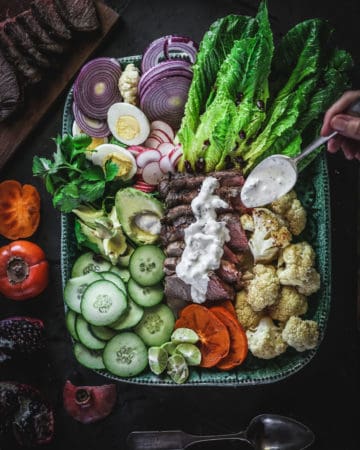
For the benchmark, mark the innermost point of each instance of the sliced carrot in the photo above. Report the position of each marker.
(19, 209)
(229, 306)
(214, 337)
(238, 340)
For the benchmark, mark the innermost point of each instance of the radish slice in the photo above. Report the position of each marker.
(152, 173)
(136, 149)
(144, 187)
(156, 133)
(152, 142)
(165, 148)
(160, 125)
(147, 157)
(165, 165)
(174, 157)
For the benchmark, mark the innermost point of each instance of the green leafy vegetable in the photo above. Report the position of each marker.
(248, 101)
(69, 177)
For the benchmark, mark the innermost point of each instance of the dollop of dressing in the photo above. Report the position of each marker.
(204, 241)
(273, 177)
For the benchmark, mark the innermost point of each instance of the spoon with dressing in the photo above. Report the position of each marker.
(265, 432)
(276, 175)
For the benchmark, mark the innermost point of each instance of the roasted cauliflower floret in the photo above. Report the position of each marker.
(247, 317)
(290, 303)
(128, 84)
(301, 334)
(289, 207)
(295, 268)
(266, 341)
(247, 222)
(268, 236)
(263, 289)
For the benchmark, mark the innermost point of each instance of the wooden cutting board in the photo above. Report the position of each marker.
(42, 96)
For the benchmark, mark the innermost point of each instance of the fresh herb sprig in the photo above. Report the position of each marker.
(69, 177)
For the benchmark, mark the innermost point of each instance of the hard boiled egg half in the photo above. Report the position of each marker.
(122, 158)
(128, 123)
(95, 142)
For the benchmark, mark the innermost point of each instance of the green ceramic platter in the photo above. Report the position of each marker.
(313, 191)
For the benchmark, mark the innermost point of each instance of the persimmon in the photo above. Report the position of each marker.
(238, 340)
(19, 209)
(228, 305)
(214, 337)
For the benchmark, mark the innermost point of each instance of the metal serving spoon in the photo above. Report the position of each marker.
(265, 432)
(276, 175)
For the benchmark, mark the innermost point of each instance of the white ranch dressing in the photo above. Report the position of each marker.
(204, 241)
(272, 178)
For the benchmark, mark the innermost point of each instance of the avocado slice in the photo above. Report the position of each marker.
(139, 214)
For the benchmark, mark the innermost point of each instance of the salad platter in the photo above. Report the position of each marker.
(168, 277)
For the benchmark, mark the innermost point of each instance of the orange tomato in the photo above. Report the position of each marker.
(19, 209)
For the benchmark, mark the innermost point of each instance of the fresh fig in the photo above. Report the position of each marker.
(88, 404)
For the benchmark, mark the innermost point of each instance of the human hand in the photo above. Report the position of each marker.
(347, 126)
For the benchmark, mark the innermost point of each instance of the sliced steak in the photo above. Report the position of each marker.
(44, 42)
(175, 248)
(177, 211)
(79, 15)
(25, 43)
(229, 273)
(229, 255)
(48, 16)
(28, 71)
(238, 240)
(10, 91)
(171, 233)
(170, 264)
(217, 289)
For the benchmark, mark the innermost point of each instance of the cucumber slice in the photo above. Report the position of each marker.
(125, 355)
(70, 320)
(156, 326)
(130, 318)
(86, 337)
(103, 303)
(103, 333)
(92, 359)
(145, 295)
(114, 278)
(124, 274)
(146, 265)
(75, 288)
(89, 262)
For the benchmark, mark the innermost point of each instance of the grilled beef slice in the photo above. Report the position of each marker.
(79, 15)
(10, 91)
(175, 248)
(217, 289)
(44, 42)
(27, 70)
(25, 43)
(46, 12)
(238, 240)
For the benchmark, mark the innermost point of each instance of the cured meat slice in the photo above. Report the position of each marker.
(79, 15)
(10, 92)
(47, 14)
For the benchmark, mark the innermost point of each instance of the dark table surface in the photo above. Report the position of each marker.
(323, 394)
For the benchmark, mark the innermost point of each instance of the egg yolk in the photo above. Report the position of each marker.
(123, 163)
(95, 142)
(127, 127)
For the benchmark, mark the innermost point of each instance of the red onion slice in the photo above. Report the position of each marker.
(165, 100)
(96, 87)
(168, 47)
(93, 127)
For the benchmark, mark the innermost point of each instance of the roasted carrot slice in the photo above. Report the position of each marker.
(19, 209)
(214, 337)
(238, 340)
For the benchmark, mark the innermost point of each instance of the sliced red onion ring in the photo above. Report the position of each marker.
(164, 48)
(92, 127)
(165, 100)
(164, 69)
(96, 87)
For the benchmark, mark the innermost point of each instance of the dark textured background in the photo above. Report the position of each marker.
(323, 393)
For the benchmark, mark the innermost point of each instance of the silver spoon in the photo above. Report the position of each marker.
(265, 432)
(276, 175)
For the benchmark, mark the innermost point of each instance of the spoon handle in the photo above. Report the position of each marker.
(173, 440)
(352, 110)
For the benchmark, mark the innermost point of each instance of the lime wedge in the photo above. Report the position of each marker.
(190, 352)
(184, 335)
(170, 347)
(177, 368)
(158, 358)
